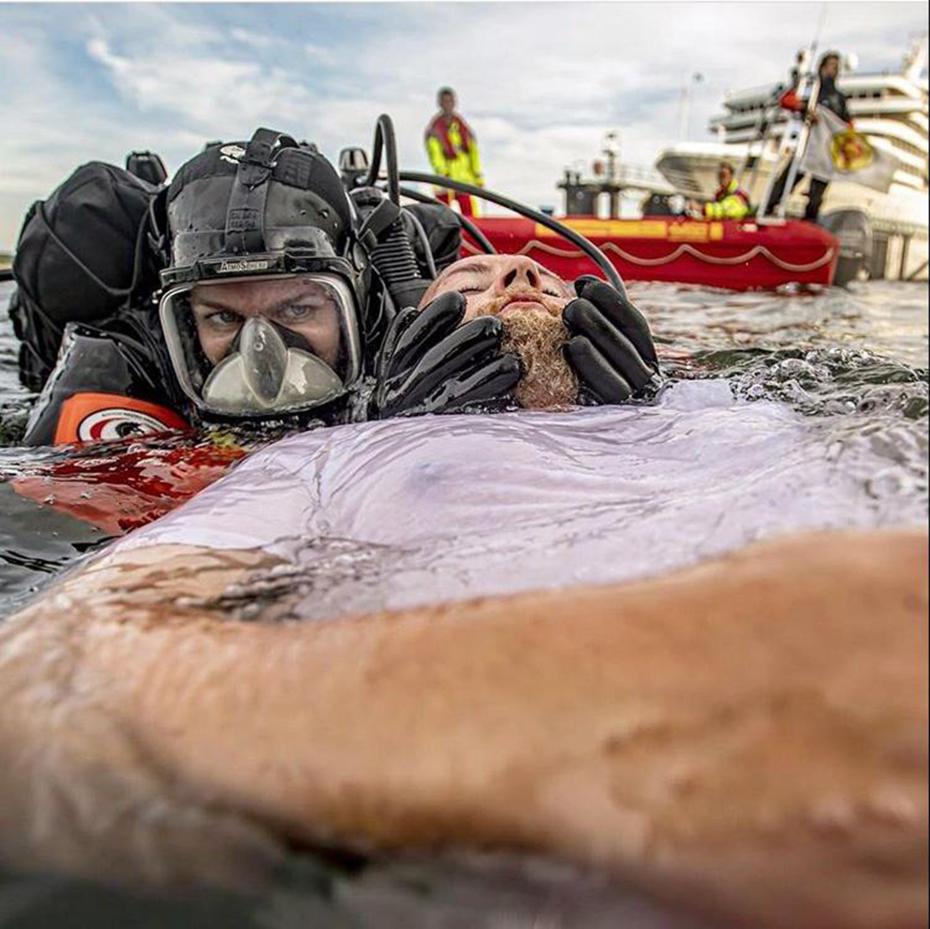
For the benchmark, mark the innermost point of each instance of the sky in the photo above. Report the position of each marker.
(539, 82)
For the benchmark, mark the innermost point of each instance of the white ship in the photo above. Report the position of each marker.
(890, 108)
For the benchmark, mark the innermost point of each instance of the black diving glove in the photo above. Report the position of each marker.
(610, 349)
(429, 363)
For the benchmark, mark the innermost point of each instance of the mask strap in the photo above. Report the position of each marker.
(245, 216)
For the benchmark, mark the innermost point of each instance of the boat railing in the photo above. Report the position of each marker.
(640, 177)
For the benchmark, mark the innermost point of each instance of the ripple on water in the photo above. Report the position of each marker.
(854, 363)
(856, 360)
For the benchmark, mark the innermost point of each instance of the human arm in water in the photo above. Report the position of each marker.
(746, 738)
(430, 363)
(611, 348)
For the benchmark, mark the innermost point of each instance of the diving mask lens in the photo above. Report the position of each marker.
(263, 346)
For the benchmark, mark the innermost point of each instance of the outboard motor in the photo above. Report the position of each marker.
(854, 231)
(657, 205)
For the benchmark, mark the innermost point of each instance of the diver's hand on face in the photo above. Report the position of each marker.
(611, 349)
(429, 363)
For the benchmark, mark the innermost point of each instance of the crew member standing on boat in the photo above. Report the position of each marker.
(453, 151)
(730, 201)
(833, 99)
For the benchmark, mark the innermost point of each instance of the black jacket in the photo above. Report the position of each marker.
(830, 96)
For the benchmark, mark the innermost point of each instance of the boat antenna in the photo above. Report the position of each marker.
(821, 22)
(804, 134)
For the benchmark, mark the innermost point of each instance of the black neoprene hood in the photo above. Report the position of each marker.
(304, 197)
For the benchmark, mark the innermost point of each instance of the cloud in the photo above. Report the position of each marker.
(253, 39)
(541, 83)
(321, 55)
(199, 90)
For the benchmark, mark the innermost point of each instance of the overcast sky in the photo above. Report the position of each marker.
(540, 82)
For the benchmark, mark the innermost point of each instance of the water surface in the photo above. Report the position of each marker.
(790, 411)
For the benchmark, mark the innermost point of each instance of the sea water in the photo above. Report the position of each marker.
(393, 514)
(784, 412)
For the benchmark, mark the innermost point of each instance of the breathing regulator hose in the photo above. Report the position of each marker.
(589, 248)
(385, 139)
(383, 232)
(396, 262)
(412, 194)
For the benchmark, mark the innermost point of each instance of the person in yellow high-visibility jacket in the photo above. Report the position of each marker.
(730, 201)
(453, 151)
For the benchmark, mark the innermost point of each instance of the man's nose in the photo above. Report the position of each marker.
(519, 270)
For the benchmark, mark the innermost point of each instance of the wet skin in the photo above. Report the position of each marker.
(746, 738)
(529, 300)
(495, 285)
(304, 307)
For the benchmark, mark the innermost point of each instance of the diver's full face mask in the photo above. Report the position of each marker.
(262, 346)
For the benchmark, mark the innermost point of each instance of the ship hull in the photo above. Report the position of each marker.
(729, 255)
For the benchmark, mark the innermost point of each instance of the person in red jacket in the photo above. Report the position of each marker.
(453, 151)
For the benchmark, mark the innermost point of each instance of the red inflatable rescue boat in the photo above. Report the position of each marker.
(732, 255)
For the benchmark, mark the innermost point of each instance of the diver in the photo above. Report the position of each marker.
(453, 151)
(730, 200)
(266, 302)
(833, 99)
(277, 297)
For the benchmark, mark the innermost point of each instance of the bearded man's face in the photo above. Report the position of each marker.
(529, 301)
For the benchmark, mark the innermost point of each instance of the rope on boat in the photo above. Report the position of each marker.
(684, 249)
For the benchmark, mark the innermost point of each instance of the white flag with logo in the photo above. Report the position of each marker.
(837, 152)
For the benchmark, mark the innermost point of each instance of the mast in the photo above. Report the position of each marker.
(810, 82)
(915, 59)
(766, 121)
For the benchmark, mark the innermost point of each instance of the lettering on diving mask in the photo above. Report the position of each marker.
(262, 373)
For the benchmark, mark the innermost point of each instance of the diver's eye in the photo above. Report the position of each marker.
(470, 290)
(552, 293)
(298, 313)
(223, 320)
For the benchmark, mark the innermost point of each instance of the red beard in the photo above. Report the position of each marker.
(538, 339)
